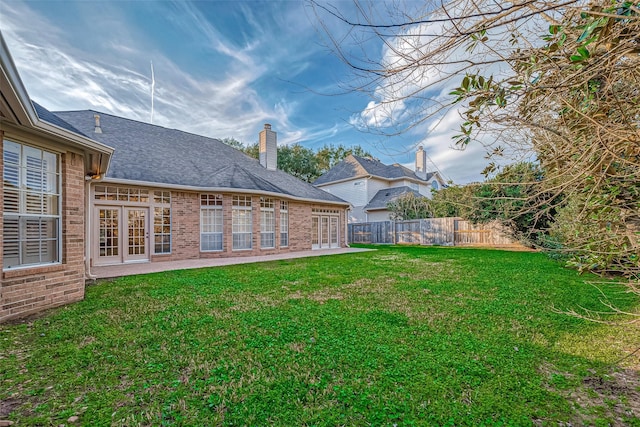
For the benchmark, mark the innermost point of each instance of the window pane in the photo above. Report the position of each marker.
(210, 224)
(284, 224)
(241, 222)
(11, 176)
(11, 153)
(211, 242)
(31, 197)
(33, 202)
(50, 205)
(50, 183)
(162, 228)
(11, 242)
(267, 240)
(242, 241)
(11, 200)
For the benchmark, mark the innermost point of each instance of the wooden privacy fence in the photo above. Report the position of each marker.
(431, 231)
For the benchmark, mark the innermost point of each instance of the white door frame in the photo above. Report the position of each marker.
(321, 233)
(115, 239)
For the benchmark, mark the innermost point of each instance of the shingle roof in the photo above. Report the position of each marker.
(150, 153)
(50, 117)
(355, 166)
(387, 195)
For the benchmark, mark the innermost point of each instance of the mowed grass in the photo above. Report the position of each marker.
(396, 336)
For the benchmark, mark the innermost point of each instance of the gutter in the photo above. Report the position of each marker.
(408, 178)
(193, 188)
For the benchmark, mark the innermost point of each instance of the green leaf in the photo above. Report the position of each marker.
(592, 26)
(584, 52)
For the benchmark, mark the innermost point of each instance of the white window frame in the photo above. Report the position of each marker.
(26, 211)
(211, 221)
(241, 223)
(161, 202)
(284, 223)
(267, 223)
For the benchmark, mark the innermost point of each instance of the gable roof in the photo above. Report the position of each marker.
(388, 195)
(355, 166)
(152, 154)
(48, 116)
(17, 108)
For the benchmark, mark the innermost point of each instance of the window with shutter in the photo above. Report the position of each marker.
(31, 215)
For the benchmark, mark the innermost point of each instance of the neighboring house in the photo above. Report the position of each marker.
(44, 165)
(369, 185)
(82, 189)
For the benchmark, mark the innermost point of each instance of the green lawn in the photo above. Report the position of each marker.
(400, 335)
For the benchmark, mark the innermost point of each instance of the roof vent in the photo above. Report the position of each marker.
(97, 129)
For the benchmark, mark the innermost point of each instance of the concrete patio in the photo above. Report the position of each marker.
(110, 271)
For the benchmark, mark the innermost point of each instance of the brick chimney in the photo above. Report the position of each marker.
(268, 148)
(421, 163)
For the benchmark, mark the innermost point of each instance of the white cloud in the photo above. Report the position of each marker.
(412, 99)
(117, 79)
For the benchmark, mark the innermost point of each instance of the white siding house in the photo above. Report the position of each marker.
(369, 185)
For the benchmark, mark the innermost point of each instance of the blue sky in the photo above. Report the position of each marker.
(222, 69)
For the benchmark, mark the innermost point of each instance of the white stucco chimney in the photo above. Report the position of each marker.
(268, 148)
(98, 128)
(421, 163)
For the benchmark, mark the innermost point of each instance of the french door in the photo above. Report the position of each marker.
(137, 235)
(123, 235)
(324, 232)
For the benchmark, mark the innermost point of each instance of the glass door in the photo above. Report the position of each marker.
(315, 232)
(137, 235)
(335, 243)
(108, 235)
(324, 232)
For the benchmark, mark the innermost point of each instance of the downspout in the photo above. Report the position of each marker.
(346, 228)
(87, 230)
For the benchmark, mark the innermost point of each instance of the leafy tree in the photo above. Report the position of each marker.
(454, 201)
(330, 155)
(301, 162)
(409, 206)
(516, 197)
(298, 161)
(234, 143)
(555, 80)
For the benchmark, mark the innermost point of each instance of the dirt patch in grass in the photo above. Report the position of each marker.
(618, 394)
(7, 406)
(614, 396)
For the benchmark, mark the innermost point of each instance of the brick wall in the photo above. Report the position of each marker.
(28, 290)
(185, 228)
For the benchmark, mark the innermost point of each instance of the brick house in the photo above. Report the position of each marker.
(44, 165)
(370, 185)
(83, 189)
(173, 195)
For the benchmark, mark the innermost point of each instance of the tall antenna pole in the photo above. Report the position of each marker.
(153, 86)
